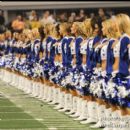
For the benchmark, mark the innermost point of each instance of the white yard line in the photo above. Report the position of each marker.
(20, 119)
(8, 106)
(52, 128)
(12, 112)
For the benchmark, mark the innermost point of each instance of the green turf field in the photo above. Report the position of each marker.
(18, 111)
(12, 117)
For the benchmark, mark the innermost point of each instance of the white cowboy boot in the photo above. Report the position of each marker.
(30, 87)
(41, 91)
(33, 89)
(73, 107)
(68, 102)
(125, 122)
(91, 113)
(84, 111)
(117, 115)
(58, 98)
(37, 89)
(108, 115)
(101, 113)
(53, 93)
(78, 111)
(45, 92)
(61, 101)
(49, 92)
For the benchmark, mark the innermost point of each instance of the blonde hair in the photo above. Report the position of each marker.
(87, 27)
(66, 27)
(123, 22)
(52, 30)
(112, 31)
(35, 33)
(48, 28)
(8, 32)
(107, 25)
(2, 36)
(79, 28)
(55, 31)
(110, 26)
(26, 31)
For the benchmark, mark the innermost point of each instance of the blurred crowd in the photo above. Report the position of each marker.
(33, 20)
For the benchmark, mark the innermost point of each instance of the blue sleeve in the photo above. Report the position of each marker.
(70, 39)
(124, 57)
(96, 40)
(124, 50)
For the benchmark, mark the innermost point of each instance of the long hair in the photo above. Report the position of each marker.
(111, 29)
(98, 21)
(66, 27)
(123, 22)
(57, 28)
(87, 27)
(79, 28)
(48, 29)
(42, 34)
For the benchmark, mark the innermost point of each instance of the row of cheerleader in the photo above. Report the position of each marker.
(81, 68)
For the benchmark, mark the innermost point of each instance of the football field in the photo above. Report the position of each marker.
(19, 111)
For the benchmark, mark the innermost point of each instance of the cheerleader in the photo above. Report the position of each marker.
(2, 44)
(35, 61)
(40, 89)
(65, 58)
(18, 53)
(91, 64)
(8, 37)
(51, 62)
(67, 64)
(70, 89)
(14, 43)
(55, 63)
(112, 107)
(84, 81)
(25, 60)
(47, 41)
(107, 28)
(3, 58)
(58, 67)
(7, 48)
(121, 71)
(78, 70)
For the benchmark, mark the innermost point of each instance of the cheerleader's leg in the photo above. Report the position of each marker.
(26, 85)
(91, 113)
(16, 80)
(84, 114)
(57, 98)
(30, 86)
(78, 108)
(67, 103)
(52, 96)
(73, 106)
(40, 91)
(45, 92)
(101, 113)
(57, 91)
(36, 89)
(61, 101)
